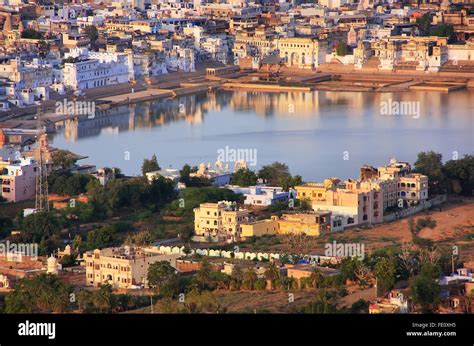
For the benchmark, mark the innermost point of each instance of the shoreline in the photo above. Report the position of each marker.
(179, 84)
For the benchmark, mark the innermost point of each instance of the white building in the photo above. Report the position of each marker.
(263, 195)
(180, 59)
(168, 173)
(97, 69)
(219, 176)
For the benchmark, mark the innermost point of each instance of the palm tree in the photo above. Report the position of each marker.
(84, 299)
(237, 276)
(272, 273)
(103, 299)
(250, 277)
(316, 278)
(203, 275)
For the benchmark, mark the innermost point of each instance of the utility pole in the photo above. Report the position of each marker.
(41, 197)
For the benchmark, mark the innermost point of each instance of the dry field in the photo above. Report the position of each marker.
(454, 226)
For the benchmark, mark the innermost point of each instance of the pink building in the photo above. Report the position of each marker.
(18, 179)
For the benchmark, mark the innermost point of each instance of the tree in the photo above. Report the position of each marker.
(460, 175)
(298, 244)
(186, 233)
(43, 48)
(250, 277)
(84, 299)
(44, 293)
(385, 271)
(237, 277)
(349, 267)
(43, 228)
(69, 184)
(91, 32)
(150, 165)
(63, 159)
(305, 204)
(104, 299)
(360, 306)
(316, 278)
(31, 34)
(244, 177)
(68, 261)
(444, 30)
(162, 275)
(185, 173)
(274, 173)
(362, 275)
(425, 292)
(101, 237)
(77, 243)
(290, 182)
(260, 284)
(408, 263)
(424, 23)
(342, 49)
(431, 164)
(322, 304)
(141, 238)
(203, 276)
(272, 274)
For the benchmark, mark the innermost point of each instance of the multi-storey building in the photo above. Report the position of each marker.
(219, 221)
(18, 179)
(124, 267)
(411, 187)
(253, 42)
(96, 69)
(365, 200)
(418, 53)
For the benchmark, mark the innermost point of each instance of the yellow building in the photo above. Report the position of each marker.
(122, 267)
(356, 202)
(218, 221)
(316, 192)
(312, 224)
(413, 187)
(260, 227)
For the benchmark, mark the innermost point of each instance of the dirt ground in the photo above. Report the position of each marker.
(454, 226)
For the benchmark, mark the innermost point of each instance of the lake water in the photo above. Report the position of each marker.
(318, 134)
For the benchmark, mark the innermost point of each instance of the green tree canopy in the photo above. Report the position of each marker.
(44, 293)
(150, 165)
(243, 177)
(342, 49)
(63, 159)
(274, 173)
(162, 276)
(430, 164)
(91, 32)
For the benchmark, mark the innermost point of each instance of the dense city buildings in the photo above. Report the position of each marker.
(233, 156)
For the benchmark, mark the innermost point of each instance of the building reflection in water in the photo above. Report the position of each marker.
(192, 109)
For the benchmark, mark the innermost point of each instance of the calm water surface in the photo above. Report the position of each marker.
(312, 132)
